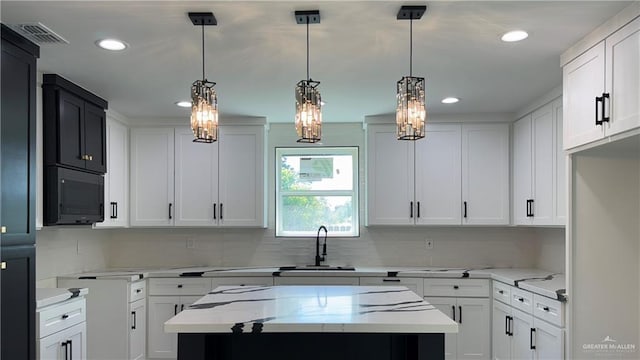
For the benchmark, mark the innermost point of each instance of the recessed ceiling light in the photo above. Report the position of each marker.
(515, 35)
(450, 100)
(184, 104)
(111, 44)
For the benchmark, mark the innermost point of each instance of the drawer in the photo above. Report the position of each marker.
(137, 291)
(179, 286)
(548, 309)
(522, 300)
(54, 318)
(456, 287)
(414, 284)
(502, 292)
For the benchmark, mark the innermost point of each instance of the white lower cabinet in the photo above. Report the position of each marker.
(465, 301)
(62, 331)
(521, 335)
(137, 329)
(67, 344)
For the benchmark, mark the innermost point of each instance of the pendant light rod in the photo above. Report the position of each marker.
(410, 47)
(411, 12)
(308, 77)
(202, 51)
(306, 17)
(203, 19)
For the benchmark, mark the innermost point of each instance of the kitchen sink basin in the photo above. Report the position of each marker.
(317, 268)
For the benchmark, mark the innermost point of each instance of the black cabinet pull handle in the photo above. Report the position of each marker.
(546, 308)
(66, 349)
(465, 209)
(521, 300)
(418, 208)
(214, 211)
(599, 99)
(605, 99)
(113, 210)
(390, 280)
(510, 325)
(170, 206)
(175, 309)
(179, 286)
(506, 325)
(133, 326)
(456, 287)
(116, 210)
(453, 310)
(500, 292)
(220, 211)
(65, 316)
(460, 310)
(531, 207)
(411, 209)
(528, 211)
(70, 349)
(531, 345)
(182, 307)
(138, 291)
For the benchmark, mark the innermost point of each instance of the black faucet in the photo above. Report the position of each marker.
(324, 247)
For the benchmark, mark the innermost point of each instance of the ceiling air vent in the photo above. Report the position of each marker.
(39, 33)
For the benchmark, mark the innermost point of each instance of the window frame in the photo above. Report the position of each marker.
(353, 151)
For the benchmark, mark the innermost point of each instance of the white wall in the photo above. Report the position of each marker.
(551, 249)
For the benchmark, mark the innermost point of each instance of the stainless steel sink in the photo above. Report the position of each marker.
(317, 268)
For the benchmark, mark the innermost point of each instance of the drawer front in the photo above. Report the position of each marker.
(315, 280)
(54, 318)
(137, 290)
(241, 281)
(414, 284)
(548, 309)
(502, 292)
(179, 286)
(521, 299)
(456, 287)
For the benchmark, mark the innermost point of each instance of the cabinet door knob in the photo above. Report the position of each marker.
(456, 287)
(180, 286)
(521, 299)
(546, 308)
(500, 292)
(3, 265)
(65, 316)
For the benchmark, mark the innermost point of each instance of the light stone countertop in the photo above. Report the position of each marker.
(50, 296)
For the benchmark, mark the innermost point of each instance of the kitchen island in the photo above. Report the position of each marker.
(311, 322)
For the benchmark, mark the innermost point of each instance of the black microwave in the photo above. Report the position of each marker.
(73, 197)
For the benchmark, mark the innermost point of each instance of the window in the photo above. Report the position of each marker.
(317, 186)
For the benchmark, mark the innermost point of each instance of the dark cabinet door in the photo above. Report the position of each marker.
(71, 130)
(17, 146)
(95, 138)
(17, 302)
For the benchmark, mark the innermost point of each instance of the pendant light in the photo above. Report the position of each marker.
(411, 109)
(204, 100)
(308, 100)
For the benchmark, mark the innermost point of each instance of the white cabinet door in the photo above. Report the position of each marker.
(501, 338)
(152, 156)
(543, 160)
(241, 176)
(138, 330)
(583, 80)
(560, 171)
(116, 180)
(623, 78)
(65, 344)
(448, 306)
(522, 170)
(437, 176)
(160, 344)
(474, 341)
(521, 340)
(196, 180)
(390, 181)
(485, 174)
(548, 341)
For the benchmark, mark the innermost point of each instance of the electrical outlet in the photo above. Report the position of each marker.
(428, 244)
(191, 243)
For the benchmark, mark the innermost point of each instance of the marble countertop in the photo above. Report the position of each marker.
(50, 296)
(334, 309)
(538, 281)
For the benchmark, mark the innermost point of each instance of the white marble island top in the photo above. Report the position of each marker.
(329, 309)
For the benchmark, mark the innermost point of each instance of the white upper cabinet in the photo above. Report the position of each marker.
(423, 182)
(602, 88)
(116, 180)
(438, 177)
(538, 167)
(241, 176)
(152, 197)
(216, 184)
(485, 174)
(390, 182)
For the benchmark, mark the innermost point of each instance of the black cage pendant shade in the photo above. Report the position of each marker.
(204, 100)
(308, 100)
(411, 108)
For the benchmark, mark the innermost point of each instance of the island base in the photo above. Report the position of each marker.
(310, 346)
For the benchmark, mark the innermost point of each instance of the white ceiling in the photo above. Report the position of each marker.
(256, 54)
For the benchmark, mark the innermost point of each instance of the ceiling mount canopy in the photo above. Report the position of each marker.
(308, 100)
(411, 109)
(204, 100)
